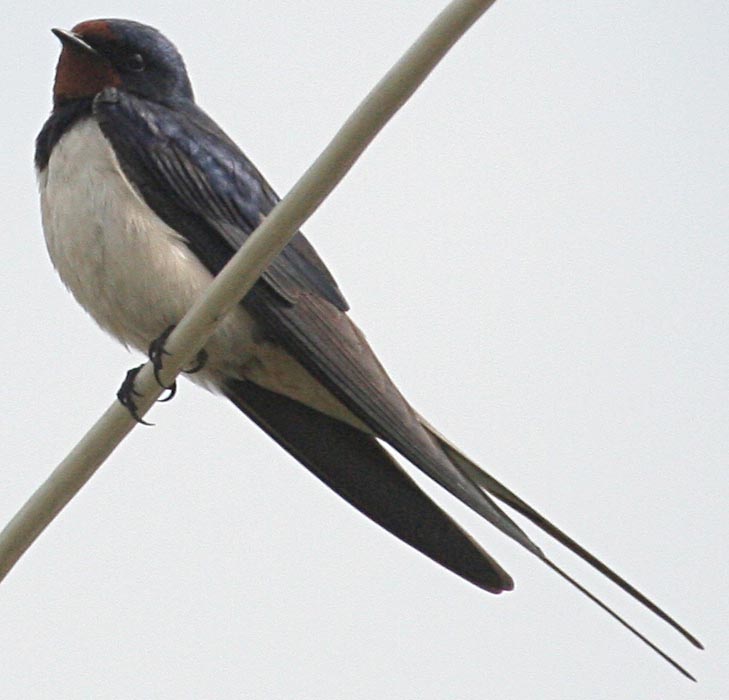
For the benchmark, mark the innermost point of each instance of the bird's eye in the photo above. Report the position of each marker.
(134, 62)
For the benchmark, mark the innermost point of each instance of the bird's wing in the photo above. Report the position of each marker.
(198, 181)
(202, 186)
(360, 470)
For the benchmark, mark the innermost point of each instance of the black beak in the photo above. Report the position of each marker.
(74, 41)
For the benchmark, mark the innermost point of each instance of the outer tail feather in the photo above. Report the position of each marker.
(505, 495)
(498, 490)
(360, 470)
(618, 618)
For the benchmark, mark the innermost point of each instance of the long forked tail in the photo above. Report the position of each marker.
(494, 487)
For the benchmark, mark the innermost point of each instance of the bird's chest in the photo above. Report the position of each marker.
(125, 266)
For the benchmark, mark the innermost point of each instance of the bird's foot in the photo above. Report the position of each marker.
(156, 353)
(200, 361)
(127, 394)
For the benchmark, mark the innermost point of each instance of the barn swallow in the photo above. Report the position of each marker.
(144, 199)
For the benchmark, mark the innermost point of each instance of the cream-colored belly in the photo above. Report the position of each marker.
(135, 275)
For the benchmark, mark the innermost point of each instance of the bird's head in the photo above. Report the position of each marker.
(103, 53)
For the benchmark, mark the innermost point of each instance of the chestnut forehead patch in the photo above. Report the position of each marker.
(94, 27)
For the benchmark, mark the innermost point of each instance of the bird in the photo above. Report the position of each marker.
(144, 199)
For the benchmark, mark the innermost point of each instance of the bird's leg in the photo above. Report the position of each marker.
(127, 392)
(156, 352)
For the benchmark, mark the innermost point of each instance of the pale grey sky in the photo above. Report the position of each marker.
(537, 246)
